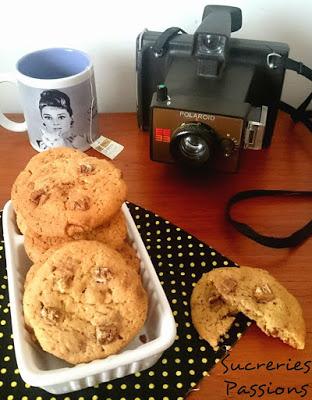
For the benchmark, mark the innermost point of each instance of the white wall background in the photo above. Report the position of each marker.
(107, 30)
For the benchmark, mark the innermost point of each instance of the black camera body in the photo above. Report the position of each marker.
(206, 96)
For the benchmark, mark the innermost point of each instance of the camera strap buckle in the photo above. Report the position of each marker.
(273, 60)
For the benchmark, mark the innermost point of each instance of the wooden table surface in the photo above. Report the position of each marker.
(196, 203)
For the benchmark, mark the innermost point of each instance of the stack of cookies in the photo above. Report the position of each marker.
(83, 297)
(222, 293)
(62, 195)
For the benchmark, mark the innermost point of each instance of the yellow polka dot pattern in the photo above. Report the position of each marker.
(179, 260)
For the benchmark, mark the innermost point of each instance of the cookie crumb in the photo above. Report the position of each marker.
(143, 338)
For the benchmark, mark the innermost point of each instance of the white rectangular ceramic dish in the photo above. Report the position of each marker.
(38, 368)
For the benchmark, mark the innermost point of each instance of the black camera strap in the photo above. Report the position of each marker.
(301, 113)
(271, 241)
(297, 114)
(160, 45)
(298, 67)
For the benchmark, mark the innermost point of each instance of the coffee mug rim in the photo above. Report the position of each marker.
(54, 82)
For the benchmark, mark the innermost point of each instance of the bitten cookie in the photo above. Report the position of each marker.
(258, 295)
(68, 195)
(84, 302)
(113, 233)
(211, 315)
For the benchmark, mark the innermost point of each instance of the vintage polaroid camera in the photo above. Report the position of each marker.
(206, 96)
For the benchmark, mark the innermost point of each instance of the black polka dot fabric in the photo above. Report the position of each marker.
(180, 260)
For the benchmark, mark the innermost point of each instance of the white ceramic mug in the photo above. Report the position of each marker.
(58, 97)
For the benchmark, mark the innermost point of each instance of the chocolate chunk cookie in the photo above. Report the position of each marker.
(84, 302)
(113, 233)
(258, 295)
(68, 195)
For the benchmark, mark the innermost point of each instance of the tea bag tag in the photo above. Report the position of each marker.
(107, 146)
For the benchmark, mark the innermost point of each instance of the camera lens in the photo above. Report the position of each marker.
(193, 144)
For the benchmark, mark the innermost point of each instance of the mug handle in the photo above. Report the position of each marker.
(4, 121)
